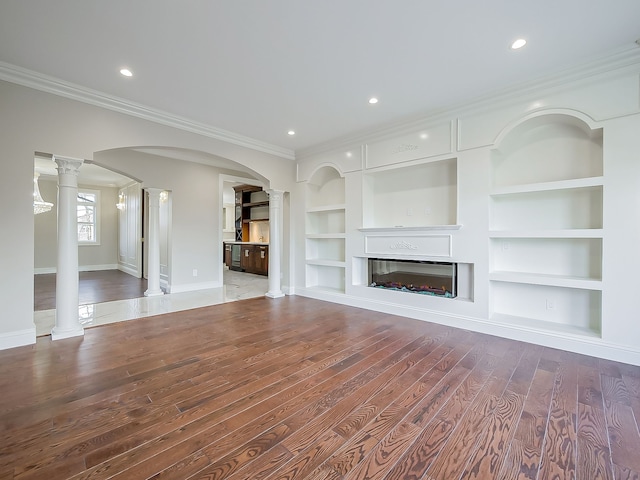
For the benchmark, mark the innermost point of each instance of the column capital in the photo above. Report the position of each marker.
(275, 195)
(68, 165)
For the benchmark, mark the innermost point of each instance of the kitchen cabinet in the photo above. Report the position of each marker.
(261, 255)
(255, 259)
(227, 255)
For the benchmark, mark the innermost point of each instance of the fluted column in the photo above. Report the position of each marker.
(67, 280)
(153, 244)
(275, 242)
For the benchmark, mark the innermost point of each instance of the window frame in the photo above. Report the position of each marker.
(96, 215)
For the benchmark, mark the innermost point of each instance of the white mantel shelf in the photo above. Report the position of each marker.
(425, 228)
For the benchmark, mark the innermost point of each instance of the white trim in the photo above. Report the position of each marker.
(18, 338)
(45, 83)
(44, 270)
(96, 268)
(288, 290)
(192, 287)
(584, 345)
(97, 215)
(82, 268)
(129, 270)
(409, 229)
(610, 65)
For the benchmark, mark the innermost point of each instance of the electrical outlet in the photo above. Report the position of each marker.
(409, 211)
(551, 305)
(427, 211)
(195, 272)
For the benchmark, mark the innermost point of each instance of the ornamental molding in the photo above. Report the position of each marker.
(611, 65)
(45, 83)
(68, 166)
(404, 147)
(403, 245)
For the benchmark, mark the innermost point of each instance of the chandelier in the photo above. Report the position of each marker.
(39, 205)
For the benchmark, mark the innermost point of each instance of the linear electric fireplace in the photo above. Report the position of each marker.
(414, 276)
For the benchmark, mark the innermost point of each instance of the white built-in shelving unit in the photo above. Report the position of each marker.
(414, 197)
(546, 220)
(325, 231)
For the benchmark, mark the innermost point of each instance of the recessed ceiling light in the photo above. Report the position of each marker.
(291, 132)
(126, 72)
(373, 100)
(519, 43)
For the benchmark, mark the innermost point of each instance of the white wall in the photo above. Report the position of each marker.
(90, 257)
(31, 121)
(45, 255)
(195, 210)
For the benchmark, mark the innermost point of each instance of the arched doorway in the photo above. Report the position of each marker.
(198, 214)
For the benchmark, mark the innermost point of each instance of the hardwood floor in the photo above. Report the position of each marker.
(95, 287)
(297, 388)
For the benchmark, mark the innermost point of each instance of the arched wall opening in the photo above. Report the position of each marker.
(189, 181)
(44, 122)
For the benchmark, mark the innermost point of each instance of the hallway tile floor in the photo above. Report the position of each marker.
(237, 286)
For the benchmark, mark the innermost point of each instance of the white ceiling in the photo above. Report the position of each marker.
(262, 67)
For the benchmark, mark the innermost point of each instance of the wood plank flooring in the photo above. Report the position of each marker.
(295, 388)
(94, 287)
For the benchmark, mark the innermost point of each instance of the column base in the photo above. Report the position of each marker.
(153, 293)
(56, 334)
(274, 294)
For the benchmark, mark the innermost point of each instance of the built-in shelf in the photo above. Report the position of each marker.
(326, 235)
(325, 231)
(533, 324)
(325, 289)
(256, 204)
(248, 220)
(546, 227)
(546, 279)
(326, 208)
(410, 229)
(549, 186)
(562, 233)
(416, 195)
(251, 205)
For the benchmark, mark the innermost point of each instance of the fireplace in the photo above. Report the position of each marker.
(414, 276)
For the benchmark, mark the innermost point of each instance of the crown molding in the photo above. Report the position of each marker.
(45, 83)
(613, 64)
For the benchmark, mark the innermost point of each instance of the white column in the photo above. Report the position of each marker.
(67, 280)
(153, 244)
(275, 242)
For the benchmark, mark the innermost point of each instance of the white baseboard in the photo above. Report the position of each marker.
(594, 347)
(129, 270)
(81, 268)
(44, 270)
(192, 287)
(96, 268)
(19, 338)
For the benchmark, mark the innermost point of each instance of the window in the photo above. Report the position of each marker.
(88, 217)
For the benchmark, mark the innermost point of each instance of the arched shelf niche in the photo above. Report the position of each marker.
(546, 220)
(325, 235)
